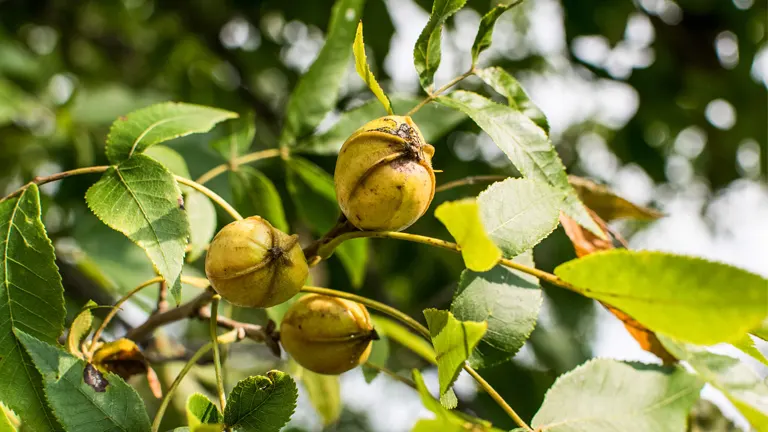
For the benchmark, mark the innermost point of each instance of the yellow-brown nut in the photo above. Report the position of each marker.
(384, 178)
(327, 335)
(253, 264)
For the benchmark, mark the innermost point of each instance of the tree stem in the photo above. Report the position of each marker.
(214, 326)
(226, 338)
(58, 176)
(423, 331)
(432, 96)
(469, 181)
(251, 157)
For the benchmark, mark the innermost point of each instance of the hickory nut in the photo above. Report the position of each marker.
(327, 335)
(384, 178)
(253, 264)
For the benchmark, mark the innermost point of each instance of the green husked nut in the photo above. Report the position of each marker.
(250, 263)
(327, 335)
(384, 178)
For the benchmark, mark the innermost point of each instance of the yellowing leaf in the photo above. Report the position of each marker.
(462, 218)
(80, 328)
(607, 204)
(687, 298)
(122, 357)
(361, 65)
(454, 341)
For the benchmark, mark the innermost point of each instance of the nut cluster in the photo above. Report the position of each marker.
(327, 335)
(252, 264)
(384, 178)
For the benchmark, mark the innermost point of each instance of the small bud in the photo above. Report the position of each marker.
(384, 178)
(251, 263)
(327, 335)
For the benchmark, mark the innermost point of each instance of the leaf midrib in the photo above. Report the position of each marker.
(6, 282)
(144, 214)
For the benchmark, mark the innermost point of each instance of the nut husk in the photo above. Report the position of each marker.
(253, 264)
(384, 178)
(327, 335)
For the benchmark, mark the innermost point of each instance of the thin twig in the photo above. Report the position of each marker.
(212, 195)
(432, 96)
(469, 181)
(216, 353)
(186, 310)
(342, 226)
(251, 157)
(58, 176)
(162, 298)
(226, 338)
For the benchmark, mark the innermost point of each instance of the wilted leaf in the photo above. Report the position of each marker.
(132, 134)
(200, 410)
(426, 52)
(314, 195)
(462, 218)
(94, 378)
(519, 213)
(679, 296)
(361, 65)
(508, 300)
(79, 406)
(261, 403)
(454, 341)
(316, 92)
(31, 300)
(122, 357)
(747, 391)
(585, 243)
(507, 86)
(140, 198)
(80, 328)
(238, 138)
(433, 120)
(526, 145)
(255, 194)
(605, 395)
(607, 204)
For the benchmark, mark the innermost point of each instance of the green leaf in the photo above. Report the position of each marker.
(519, 213)
(238, 138)
(462, 218)
(106, 404)
(507, 86)
(324, 392)
(379, 356)
(141, 199)
(261, 403)
(361, 65)
(202, 223)
(747, 345)
(200, 410)
(508, 300)
(80, 328)
(607, 395)
(445, 420)
(398, 333)
(32, 300)
(426, 52)
(170, 159)
(254, 193)
(134, 133)
(317, 90)
(682, 297)
(454, 341)
(526, 145)
(9, 422)
(607, 204)
(747, 391)
(485, 31)
(314, 195)
(434, 122)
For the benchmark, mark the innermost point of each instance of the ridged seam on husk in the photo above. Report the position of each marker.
(269, 258)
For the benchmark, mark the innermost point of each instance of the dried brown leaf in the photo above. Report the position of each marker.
(607, 204)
